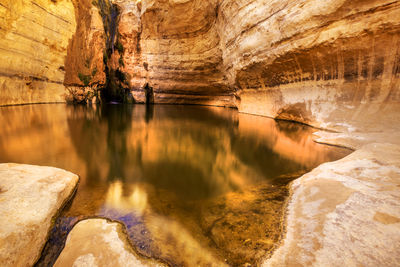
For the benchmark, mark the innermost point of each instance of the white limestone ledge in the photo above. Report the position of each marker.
(345, 213)
(30, 197)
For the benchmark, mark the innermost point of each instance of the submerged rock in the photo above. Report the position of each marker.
(99, 242)
(30, 196)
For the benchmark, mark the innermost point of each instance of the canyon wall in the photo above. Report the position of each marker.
(311, 61)
(34, 37)
(173, 49)
(317, 63)
(301, 60)
(84, 66)
(161, 52)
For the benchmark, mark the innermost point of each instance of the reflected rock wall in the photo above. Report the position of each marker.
(175, 175)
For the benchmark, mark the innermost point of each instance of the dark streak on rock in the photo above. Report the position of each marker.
(47, 28)
(54, 15)
(4, 6)
(28, 78)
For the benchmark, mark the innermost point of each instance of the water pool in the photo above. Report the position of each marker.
(192, 185)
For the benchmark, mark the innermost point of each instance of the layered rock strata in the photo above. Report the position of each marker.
(84, 65)
(162, 52)
(298, 60)
(34, 37)
(30, 196)
(178, 53)
(301, 60)
(334, 65)
(308, 60)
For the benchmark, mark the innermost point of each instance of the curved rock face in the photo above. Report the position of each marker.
(308, 60)
(303, 60)
(33, 44)
(300, 60)
(173, 48)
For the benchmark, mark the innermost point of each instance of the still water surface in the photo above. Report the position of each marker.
(193, 185)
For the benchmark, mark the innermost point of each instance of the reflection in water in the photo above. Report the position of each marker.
(193, 185)
(136, 201)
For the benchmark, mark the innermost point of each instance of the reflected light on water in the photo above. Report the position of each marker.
(193, 185)
(135, 201)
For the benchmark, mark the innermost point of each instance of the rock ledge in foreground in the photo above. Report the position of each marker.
(99, 242)
(30, 196)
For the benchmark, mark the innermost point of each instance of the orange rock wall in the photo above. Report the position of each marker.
(313, 62)
(302, 60)
(34, 36)
(173, 46)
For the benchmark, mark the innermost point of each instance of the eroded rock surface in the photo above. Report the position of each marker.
(346, 213)
(34, 36)
(84, 66)
(302, 60)
(333, 65)
(99, 242)
(311, 61)
(178, 53)
(30, 196)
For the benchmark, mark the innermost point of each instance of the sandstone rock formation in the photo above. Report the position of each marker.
(84, 67)
(177, 52)
(98, 242)
(309, 60)
(34, 37)
(345, 213)
(301, 60)
(30, 196)
(333, 65)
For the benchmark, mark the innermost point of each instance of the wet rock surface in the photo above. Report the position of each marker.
(99, 242)
(345, 212)
(30, 197)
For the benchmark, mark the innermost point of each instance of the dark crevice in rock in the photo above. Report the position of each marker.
(54, 244)
(149, 94)
(117, 87)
